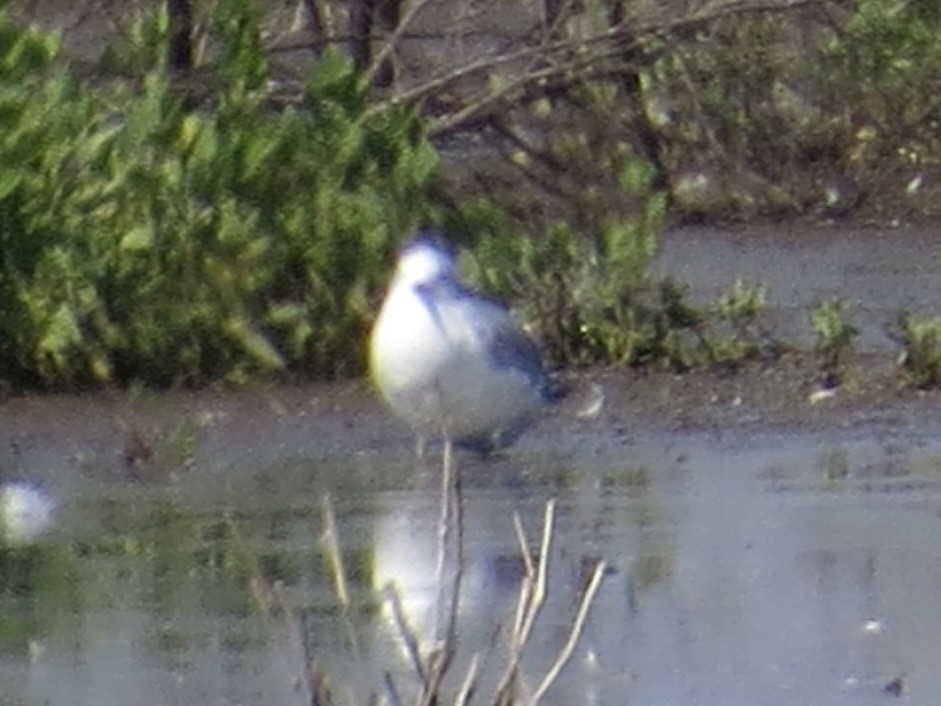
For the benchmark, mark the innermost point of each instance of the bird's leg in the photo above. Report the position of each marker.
(450, 529)
(444, 534)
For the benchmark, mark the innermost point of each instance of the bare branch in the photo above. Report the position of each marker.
(406, 634)
(449, 595)
(392, 694)
(532, 596)
(575, 633)
(389, 45)
(333, 552)
(559, 57)
(469, 683)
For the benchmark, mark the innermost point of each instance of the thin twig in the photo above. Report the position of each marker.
(524, 544)
(470, 682)
(575, 634)
(389, 45)
(331, 539)
(457, 501)
(526, 588)
(392, 694)
(444, 534)
(626, 36)
(452, 521)
(532, 596)
(585, 63)
(333, 551)
(406, 634)
(541, 587)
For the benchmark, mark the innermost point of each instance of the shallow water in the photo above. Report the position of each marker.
(778, 566)
(756, 556)
(876, 271)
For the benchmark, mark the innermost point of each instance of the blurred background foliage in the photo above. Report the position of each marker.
(224, 208)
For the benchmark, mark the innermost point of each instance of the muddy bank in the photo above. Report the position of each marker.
(877, 271)
(94, 436)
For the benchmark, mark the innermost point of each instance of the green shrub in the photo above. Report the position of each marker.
(835, 336)
(921, 355)
(143, 239)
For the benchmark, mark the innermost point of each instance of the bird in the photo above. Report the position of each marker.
(450, 361)
(26, 513)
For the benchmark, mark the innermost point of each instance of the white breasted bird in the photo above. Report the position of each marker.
(451, 362)
(26, 513)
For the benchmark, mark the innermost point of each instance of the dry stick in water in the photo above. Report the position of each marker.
(457, 504)
(331, 539)
(333, 551)
(444, 534)
(452, 520)
(469, 683)
(312, 686)
(408, 636)
(533, 594)
(588, 597)
(392, 694)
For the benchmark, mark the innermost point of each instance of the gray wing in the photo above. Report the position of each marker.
(507, 343)
(510, 347)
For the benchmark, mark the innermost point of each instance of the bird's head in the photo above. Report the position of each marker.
(427, 258)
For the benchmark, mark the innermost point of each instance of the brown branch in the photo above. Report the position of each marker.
(449, 594)
(625, 38)
(406, 633)
(392, 41)
(575, 633)
(536, 84)
(469, 684)
(533, 594)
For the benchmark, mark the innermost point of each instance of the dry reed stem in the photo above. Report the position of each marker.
(468, 686)
(451, 522)
(392, 694)
(406, 634)
(331, 541)
(457, 501)
(533, 592)
(524, 544)
(445, 528)
(525, 588)
(581, 615)
(431, 671)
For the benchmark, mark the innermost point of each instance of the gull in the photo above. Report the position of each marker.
(450, 361)
(26, 513)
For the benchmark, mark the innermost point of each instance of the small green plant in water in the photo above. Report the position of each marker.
(921, 355)
(835, 336)
(735, 334)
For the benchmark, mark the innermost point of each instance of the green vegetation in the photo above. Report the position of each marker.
(146, 240)
(785, 111)
(921, 355)
(835, 336)
(170, 229)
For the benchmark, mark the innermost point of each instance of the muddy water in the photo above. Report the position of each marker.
(761, 550)
(877, 271)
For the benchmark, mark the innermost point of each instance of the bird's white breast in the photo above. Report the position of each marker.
(430, 359)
